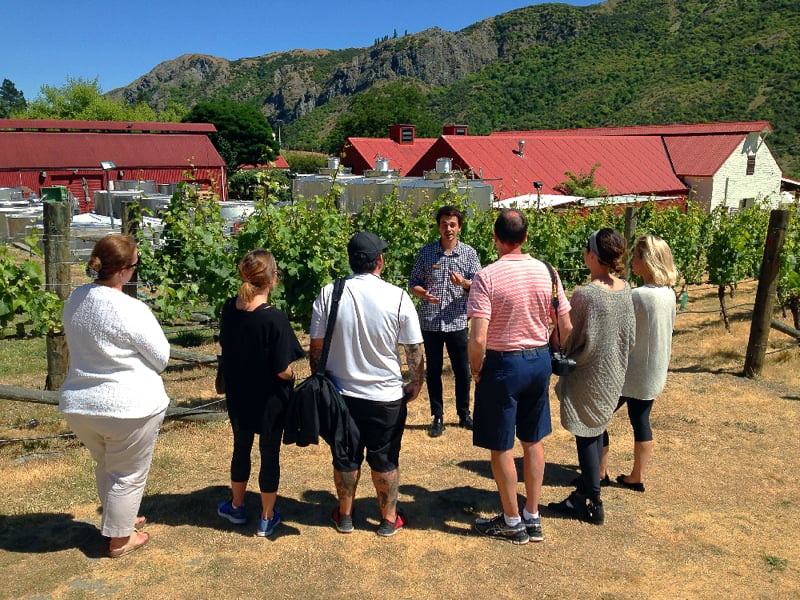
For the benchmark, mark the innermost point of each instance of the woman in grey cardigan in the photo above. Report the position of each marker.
(601, 339)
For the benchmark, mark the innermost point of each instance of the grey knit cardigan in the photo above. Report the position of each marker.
(603, 334)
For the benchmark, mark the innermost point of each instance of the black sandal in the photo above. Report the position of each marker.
(636, 487)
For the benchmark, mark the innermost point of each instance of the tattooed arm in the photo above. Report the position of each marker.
(315, 353)
(416, 367)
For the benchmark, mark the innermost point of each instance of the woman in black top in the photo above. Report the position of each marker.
(258, 346)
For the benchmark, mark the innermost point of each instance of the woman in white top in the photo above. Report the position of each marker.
(654, 307)
(113, 397)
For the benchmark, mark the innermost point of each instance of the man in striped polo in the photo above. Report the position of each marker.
(510, 307)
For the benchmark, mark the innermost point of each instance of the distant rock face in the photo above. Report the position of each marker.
(302, 80)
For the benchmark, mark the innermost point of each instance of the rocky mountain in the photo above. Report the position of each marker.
(619, 62)
(289, 85)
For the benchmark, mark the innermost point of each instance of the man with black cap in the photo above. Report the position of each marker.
(374, 317)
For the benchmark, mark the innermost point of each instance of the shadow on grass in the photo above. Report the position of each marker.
(50, 532)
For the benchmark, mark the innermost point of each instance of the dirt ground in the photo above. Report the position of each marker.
(717, 519)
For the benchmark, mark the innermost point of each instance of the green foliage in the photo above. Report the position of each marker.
(308, 241)
(12, 101)
(372, 112)
(582, 184)
(23, 304)
(305, 162)
(260, 184)
(736, 245)
(191, 266)
(83, 99)
(243, 135)
(788, 288)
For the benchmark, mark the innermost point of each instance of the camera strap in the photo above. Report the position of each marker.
(552, 272)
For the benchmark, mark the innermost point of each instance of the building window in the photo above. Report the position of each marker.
(751, 165)
(745, 203)
(407, 135)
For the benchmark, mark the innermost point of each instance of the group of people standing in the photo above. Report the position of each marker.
(114, 399)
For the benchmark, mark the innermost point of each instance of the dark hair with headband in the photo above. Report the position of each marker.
(609, 247)
(257, 270)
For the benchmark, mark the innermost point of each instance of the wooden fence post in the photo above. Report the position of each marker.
(131, 216)
(57, 277)
(631, 222)
(765, 295)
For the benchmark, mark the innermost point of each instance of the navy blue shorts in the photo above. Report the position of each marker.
(381, 426)
(512, 398)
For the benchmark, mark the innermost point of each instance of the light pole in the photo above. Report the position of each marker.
(107, 165)
(538, 186)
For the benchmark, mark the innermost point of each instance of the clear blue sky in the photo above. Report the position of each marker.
(43, 42)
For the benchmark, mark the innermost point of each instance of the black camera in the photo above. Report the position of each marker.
(562, 365)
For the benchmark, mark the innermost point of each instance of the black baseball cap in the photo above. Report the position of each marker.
(366, 243)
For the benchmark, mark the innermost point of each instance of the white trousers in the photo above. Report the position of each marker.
(122, 450)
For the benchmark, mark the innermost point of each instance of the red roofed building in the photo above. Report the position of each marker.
(723, 164)
(401, 148)
(36, 153)
(628, 165)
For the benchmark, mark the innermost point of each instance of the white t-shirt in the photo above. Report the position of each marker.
(374, 318)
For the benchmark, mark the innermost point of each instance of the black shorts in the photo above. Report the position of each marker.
(381, 426)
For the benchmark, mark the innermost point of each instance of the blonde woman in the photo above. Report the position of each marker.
(113, 397)
(654, 307)
(258, 347)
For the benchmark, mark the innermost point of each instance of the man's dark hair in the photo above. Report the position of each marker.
(511, 226)
(359, 263)
(450, 211)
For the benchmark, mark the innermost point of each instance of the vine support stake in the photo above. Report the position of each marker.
(56, 219)
(131, 217)
(631, 222)
(765, 295)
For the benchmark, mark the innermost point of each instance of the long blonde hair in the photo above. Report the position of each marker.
(657, 258)
(257, 270)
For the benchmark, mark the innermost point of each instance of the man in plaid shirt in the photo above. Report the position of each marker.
(441, 278)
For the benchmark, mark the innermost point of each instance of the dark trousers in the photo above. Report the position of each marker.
(590, 451)
(456, 342)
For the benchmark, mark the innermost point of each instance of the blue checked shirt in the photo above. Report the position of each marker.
(432, 269)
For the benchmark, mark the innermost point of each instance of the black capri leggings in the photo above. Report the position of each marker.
(269, 445)
(639, 416)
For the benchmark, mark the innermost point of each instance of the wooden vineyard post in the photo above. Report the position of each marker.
(57, 277)
(765, 295)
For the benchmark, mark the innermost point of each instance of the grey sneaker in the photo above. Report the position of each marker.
(343, 523)
(496, 527)
(534, 528)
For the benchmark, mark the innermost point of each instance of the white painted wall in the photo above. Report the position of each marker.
(731, 185)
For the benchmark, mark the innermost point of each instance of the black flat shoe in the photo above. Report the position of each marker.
(636, 487)
(436, 428)
(466, 423)
(573, 507)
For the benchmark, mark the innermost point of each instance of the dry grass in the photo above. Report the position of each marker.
(717, 519)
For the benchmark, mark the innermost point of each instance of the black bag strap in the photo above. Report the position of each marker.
(338, 288)
(552, 272)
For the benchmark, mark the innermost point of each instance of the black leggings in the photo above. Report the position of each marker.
(269, 444)
(590, 450)
(639, 416)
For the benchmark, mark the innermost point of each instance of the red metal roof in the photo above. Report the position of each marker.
(278, 163)
(81, 150)
(360, 153)
(628, 164)
(104, 126)
(741, 127)
(701, 156)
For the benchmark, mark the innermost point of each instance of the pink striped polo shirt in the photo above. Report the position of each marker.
(515, 294)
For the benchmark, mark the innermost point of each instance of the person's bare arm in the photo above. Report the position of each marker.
(415, 360)
(315, 353)
(477, 345)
